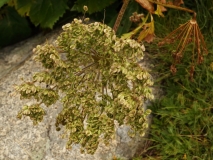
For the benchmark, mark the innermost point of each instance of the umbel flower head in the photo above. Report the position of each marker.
(99, 81)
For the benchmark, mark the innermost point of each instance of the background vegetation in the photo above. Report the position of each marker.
(20, 19)
(182, 118)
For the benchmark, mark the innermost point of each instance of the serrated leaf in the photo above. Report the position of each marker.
(47, 12)
(23, 6)
(93, 5)
(2, 2)
(13, 27)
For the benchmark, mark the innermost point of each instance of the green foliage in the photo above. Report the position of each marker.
(182, 123)
(47, 12)
(13, 23)
(2, 2)
(13, 27)
(98, 79)
(93, 5)
(23, 6)
(42, 13)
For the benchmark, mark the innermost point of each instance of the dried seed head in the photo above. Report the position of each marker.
(136, 17)
(180, 40)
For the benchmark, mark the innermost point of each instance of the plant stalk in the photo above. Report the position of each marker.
(120, 15)
(174, 7)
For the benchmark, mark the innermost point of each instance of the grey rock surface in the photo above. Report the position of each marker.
(19, 139)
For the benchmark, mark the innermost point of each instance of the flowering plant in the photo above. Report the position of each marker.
(98, 79)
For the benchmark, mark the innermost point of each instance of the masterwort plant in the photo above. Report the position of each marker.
(97, 78)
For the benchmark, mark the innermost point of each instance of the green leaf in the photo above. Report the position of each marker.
(47, 12)
(13, 27)
(2, 2)
(23, 6)
(93, 5)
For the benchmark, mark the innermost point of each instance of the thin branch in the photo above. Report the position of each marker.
(85, 68)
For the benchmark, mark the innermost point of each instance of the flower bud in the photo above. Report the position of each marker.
(85, 8)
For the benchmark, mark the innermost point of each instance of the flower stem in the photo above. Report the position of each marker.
(173, 6)
(120, 15)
